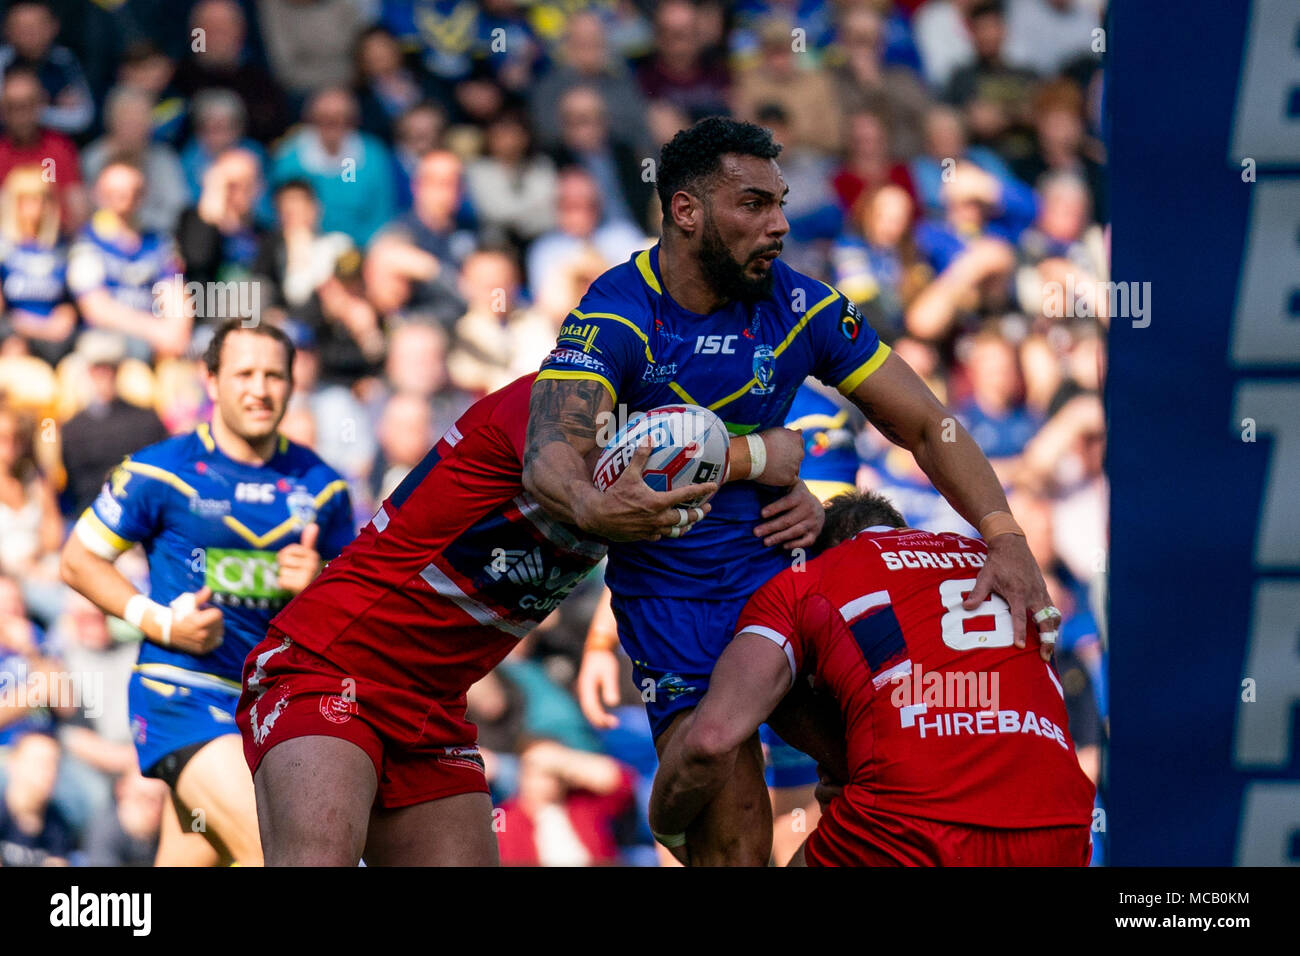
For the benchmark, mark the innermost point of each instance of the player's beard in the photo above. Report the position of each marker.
(727, 276)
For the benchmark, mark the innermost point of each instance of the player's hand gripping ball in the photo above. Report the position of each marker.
(689, 446)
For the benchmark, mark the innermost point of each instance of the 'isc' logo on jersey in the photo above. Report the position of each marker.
(715, 344)
(255, 493)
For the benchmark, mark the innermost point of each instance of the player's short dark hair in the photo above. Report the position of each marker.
(849, 513)
(212, 356)
(693, 156)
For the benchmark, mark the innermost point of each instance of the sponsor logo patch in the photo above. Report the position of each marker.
(851, 321)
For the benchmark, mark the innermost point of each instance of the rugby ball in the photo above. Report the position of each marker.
(690, 445)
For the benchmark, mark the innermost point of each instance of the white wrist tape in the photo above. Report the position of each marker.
(136, 608)
(757, 455)
(164, 615)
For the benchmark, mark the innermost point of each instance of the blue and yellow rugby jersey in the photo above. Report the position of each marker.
(102, 257)
(204, 518)
(830, 459)
(745, 362)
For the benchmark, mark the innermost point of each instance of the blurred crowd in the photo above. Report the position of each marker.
(419, 191)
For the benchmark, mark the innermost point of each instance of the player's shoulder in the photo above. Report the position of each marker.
(801, 292)
(625, 291)
(170, 463)
(173, 453)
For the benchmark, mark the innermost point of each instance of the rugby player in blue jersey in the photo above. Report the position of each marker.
(235, 520)
(711, 316)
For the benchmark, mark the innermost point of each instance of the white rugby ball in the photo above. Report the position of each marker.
(690, 445)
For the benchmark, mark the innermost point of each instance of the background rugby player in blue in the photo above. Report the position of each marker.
(235, 519)
(709, 315)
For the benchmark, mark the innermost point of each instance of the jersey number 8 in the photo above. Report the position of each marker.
(952, 592)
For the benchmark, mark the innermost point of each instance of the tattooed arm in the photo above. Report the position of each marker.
(562, 423)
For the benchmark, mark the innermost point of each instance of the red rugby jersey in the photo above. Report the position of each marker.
(458, 563)
(878, 621)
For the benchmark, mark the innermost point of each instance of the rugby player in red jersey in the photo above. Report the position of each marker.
(958, 750)
(353, 710)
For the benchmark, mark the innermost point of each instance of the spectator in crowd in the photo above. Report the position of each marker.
(585, 60)
(1062, 254)
(219, 58)
(617, 168)
(681, 68)
(565, 809)
(1043, 370)
(29, 31)
(31, 529)
(866, 84)
(34, 265)
(309, 43)
(109, 428)
(578, 232)
(1061, 144)
(126, 834)
(494, 341)
(25, 661)
(868, 161)
(976, 204)
(219, 237)
(877, 258)
(511, 187)
(412, 265)
(128, 118)
(444, 35)
(945, 145)
(122, 273)
(1046, 35)
(974, 283)
(328, 417)
(994, 94)
(149, 70)
(218, 119)
(417, 365)
(782, 77)
(351, 172)
(33, 831)
(1066, 460)
(814, 18)
(417, 133)
(100, 657)
(995, 414)
(386, 87)
(405, 436)
(943, 38)
(312, 277)
(27, 143)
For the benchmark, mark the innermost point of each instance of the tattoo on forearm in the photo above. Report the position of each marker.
(881, 423)
(563, 411)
